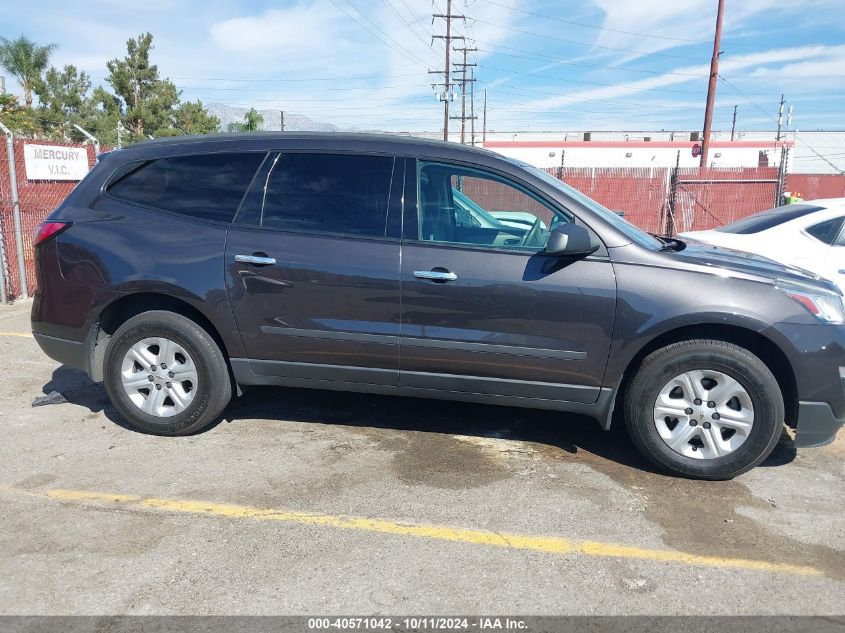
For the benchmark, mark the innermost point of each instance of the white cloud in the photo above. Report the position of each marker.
(694, 20)
(684, 75)
(299, 29)
(390, 42)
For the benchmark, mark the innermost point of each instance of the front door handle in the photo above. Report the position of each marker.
(435, 275)
(258, 259)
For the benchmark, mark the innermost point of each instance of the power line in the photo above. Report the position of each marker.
(333, 88)
(297, 79)
(398, 48)
(406, 22)
(572, 62)
(591, 26)
(756, 105)
(627, 50)
(541, 57)
(380, 30)
(584, 44)
(598, 99)
(585, 82)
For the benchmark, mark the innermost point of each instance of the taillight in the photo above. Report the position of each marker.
(48, 229)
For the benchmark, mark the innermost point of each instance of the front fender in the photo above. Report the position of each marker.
(654, 302)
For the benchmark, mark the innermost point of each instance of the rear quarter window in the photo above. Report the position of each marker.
(205, 186)
(826, 231)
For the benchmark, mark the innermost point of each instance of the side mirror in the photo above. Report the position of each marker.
(570, 240)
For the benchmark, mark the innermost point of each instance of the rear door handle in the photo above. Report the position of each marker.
(256, 259)
(435, 275)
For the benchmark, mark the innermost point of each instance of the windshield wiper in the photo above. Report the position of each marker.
(669, 243)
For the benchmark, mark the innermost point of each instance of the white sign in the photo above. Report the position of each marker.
(55, 162)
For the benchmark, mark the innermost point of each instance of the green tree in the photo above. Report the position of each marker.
(101, 116)
(192, 118)
(252, 122)
(64, 98)
(26, 60)
(64, 92)
(147, 100)
(17, 118)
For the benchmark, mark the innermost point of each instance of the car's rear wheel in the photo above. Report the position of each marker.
(165, 374)
(704, 408)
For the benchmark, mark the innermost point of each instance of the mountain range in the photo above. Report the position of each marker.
(272, 119)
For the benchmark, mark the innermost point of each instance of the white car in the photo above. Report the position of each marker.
(809, 235)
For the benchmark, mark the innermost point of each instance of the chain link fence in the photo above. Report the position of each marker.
(37, 197)
(658, 200)
(639, 194)
(705, 199)
(668, 201)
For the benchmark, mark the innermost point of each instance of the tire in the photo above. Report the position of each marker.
(183, 398)
(675, 374)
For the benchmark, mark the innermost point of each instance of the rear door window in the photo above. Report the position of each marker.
(205, 186)
(340, 194)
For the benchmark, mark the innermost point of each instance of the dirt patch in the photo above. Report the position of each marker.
(442, 461)
(702, 517)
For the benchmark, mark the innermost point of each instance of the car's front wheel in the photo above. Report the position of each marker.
(706, 409)
(165, 374)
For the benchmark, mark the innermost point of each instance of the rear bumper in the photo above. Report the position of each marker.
(72, 353)
(817, 425)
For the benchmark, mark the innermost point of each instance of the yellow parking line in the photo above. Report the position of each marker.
(545, 544)
(20, 334)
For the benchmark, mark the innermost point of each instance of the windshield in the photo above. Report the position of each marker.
(634, 233)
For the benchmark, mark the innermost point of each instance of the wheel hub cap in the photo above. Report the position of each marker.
(159, 376)
(703, 414)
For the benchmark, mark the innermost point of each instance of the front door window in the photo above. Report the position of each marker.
(469, 207)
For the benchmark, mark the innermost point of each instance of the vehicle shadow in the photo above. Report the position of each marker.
(568, 432)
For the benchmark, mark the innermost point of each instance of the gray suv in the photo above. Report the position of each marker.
(181, 271)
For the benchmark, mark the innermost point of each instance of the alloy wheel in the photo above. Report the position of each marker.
(159, 376)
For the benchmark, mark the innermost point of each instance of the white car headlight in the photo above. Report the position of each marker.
(827, 307)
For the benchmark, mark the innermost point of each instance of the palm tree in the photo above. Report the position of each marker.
(26, 60)
(252, 122)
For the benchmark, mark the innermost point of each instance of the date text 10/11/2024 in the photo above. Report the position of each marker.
(417, 623)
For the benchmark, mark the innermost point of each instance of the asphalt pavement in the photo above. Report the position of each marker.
(309, 502)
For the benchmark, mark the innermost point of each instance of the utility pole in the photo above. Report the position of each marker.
(788, 121)
(733, 125)
(711, 88)
(448, 17)
(780, 117)
(484, 123)
(464, 80)
(118, 134)
(282, 116)
(472, 108)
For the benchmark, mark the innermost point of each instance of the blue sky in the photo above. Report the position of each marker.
(546, 64)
